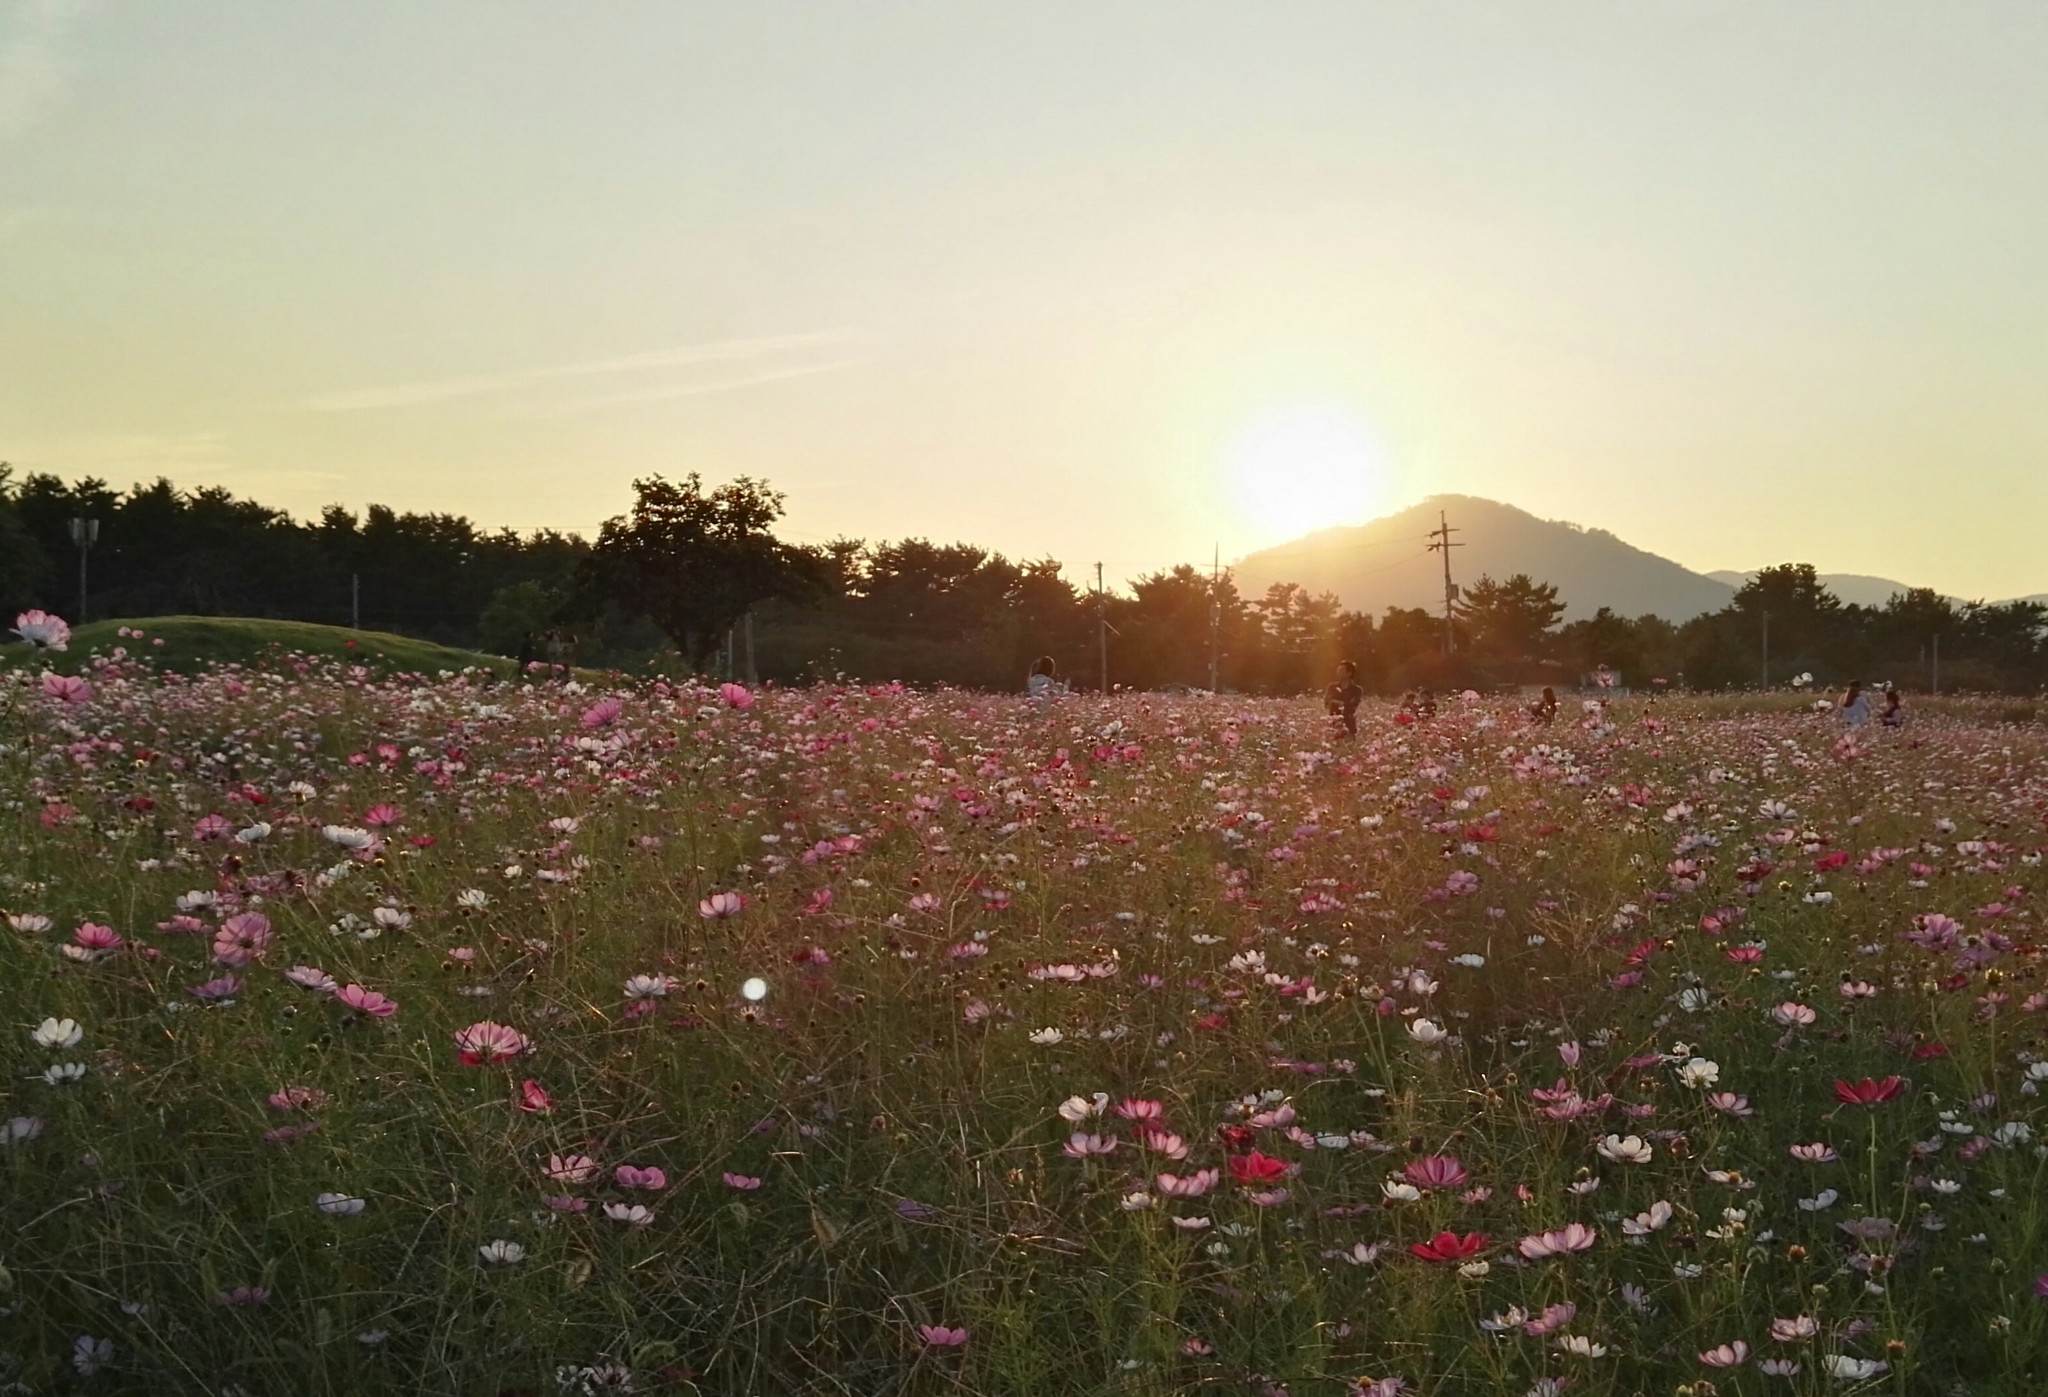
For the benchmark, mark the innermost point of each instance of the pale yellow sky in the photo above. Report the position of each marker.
(1739, 282)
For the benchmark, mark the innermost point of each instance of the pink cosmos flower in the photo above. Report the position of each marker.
(210, 827)
(311, 977)
(1574, 1236)
(382, 816)
(1436, 1171)
(213, 991)
(67, 688)
(41, 629)
(297, 1099)
(745, 1183)
(631, 1176)
(1551, 1320)
(570, 1168)
(721, 905)
(242, 939)
(484, 1043)
(603, 713)
(1816, 1153)
(363, 1001)
(533, 1098)
(94, 937)
(940, 1336)
(1729, 1355)
(736, 696)
(1191, 1185)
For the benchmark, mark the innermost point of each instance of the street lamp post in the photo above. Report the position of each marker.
(84, 533)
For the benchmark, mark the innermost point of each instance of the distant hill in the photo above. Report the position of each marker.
(1857, 589)
(1384, 563)
(192, 642)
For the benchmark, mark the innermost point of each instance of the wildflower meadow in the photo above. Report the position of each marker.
(369, 1031)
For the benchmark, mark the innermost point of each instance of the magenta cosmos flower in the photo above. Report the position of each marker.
(942, 1336)
(482, 1044)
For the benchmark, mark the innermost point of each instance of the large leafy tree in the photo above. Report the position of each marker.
(694, 562)
(1512, 618)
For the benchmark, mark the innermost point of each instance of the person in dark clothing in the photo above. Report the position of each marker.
(1894, 715)
(1342, 697)
(1545, 708)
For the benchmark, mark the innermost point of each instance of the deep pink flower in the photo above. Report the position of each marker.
(631, 1176)
(382, 816)
(1437, 1171)
(533, 1098)
(940, 1336)
(736, 696)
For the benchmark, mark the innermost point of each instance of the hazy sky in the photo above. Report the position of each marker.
(1741, 282)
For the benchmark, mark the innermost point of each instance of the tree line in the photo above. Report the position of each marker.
(694, 578)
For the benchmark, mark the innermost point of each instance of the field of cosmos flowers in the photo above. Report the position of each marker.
(435, 1034)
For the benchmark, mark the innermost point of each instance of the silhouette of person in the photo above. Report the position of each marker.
(1342, 697)
(1043, 682)
(1545, 708)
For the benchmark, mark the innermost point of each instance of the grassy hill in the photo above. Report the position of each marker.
(192, 642)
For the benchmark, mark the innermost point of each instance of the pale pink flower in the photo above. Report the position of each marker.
(1729, 1355)
(67, 689)
(1575, 1236)
(376, 1005)
(745, 1183)
(941, 1336)
(311, 977)
(486, 1042)
(632, 1176)
(721, 905)
(570, 1168)
(41, 629)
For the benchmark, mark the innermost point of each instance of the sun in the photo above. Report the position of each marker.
(1303, 469)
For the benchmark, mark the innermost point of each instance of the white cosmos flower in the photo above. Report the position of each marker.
(1699, 1073)
(58, 1033)
(1076, 1109)
(64, 1073)
(502, 1253)
(347, 836)
(339, 1205)
(1046, 1037)
(1625, 1149)
(1425, 1032)
(254, 834)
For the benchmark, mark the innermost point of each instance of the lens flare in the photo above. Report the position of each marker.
(755, 989)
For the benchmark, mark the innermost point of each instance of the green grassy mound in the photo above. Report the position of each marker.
(191, 643)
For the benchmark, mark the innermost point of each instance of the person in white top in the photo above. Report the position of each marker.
(1855, 705)
(1043, 683)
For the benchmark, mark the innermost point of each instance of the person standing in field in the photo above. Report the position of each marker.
(1342, 697)
(1043, 683)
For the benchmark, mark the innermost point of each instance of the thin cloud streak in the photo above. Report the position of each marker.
(698, 390)
(681, 357)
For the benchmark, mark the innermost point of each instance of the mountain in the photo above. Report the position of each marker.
(1854, 588)
(1385, 563)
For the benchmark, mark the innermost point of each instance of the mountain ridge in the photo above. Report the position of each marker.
(1385, 562)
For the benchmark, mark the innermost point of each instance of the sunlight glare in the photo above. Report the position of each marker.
(1305, 469)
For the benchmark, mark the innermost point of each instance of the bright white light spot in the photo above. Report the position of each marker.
(755, 989)
(1303, 469)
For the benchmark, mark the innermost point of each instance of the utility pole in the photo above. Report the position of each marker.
(1102, 627)
(753, 677)
(85, 533)
(1215, 610)
(1767, 649)
(1440, 542)
(355, 601)
(1936, 685)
